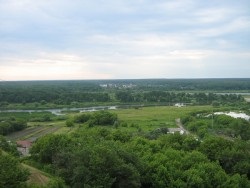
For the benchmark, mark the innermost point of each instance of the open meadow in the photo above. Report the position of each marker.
(144, 119)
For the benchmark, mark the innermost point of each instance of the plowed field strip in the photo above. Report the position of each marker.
(17, 135)
(42, 133)
(26, 137)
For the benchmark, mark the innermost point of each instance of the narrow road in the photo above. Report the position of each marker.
(179, 124)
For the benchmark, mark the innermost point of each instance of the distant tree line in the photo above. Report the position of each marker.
(158, 90)
(179, 97)
(123, 96)
(43, 97)
(184, 84)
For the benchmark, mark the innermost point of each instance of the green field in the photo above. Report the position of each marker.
(149, 118)
(144, 119)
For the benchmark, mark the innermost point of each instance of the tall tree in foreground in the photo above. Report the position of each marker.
(12, 174)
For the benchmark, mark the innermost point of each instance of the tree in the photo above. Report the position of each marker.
(12, 174)
(103, 118)
(47, 147)
(8, 146)
(213, 146)
(124, 96)
(82, 118)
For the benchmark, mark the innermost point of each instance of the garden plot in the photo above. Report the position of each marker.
(31, 134)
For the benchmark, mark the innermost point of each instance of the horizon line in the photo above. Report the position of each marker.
(205, 78)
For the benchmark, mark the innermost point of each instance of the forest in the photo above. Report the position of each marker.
(147, 141)
(46, 94)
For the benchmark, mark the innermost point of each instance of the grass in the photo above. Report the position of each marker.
(26, 115)
(149, 118)
(49, 123)
(132, 120)
(37, 177)
(63, 130)
(35, 133)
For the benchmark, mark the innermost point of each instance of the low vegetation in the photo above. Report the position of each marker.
(206, 123)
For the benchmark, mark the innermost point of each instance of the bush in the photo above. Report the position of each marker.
(103, 118)
(69, 123)
(82, 118)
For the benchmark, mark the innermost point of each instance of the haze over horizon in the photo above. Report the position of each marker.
(124, 39)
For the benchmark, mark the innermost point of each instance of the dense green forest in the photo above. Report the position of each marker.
(44, 94)
(126, 147)
(98, 157)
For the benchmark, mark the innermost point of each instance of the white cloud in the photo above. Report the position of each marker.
(214, 15)
(82, 39)
(49, 66)
(236, 25)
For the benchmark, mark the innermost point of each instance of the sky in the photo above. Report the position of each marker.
(124, 39)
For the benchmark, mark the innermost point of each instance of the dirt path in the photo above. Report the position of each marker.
(179, 124)
(36, 176)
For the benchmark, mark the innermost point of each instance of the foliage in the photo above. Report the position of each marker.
(12, 174)
(43, 94)
(11, 125)
(46, 149)
(102, 117)
(203, 124)
(8, 146)
(82, 118)
(135, 151)
(234, 157)
(27, 116)
(69, 123)
(99, 157)
(85, 161)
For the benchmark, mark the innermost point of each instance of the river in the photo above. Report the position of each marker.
(60, 111)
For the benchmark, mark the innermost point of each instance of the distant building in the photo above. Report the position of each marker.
(120, 86)
(179, 105)
(23, 147)
(104, 85)
(174, 130)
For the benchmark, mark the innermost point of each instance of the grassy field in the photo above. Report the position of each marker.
(144, 119)
(150, 118)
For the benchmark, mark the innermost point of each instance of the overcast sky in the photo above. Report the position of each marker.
(114, 39)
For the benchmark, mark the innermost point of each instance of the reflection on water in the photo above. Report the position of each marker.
(234, 115)
(59, 112)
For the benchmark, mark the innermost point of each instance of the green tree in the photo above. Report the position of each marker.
(103, 118)
(12, 174)
(47, 147)
(8, 146)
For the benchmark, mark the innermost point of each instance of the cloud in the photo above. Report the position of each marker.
(83, 39)
(48, 66)
(236, 25)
